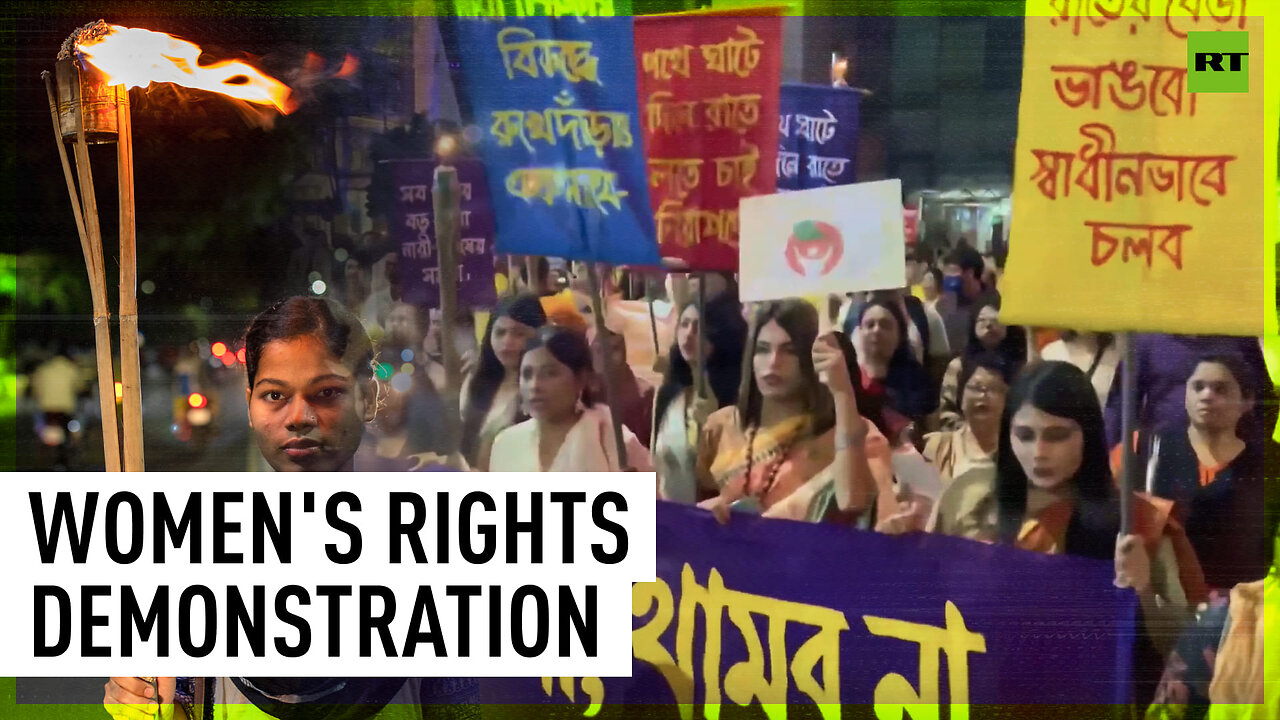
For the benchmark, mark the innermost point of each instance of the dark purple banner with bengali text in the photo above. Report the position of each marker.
(414, 234)
(776, 612)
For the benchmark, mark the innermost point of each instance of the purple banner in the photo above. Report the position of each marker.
(414, 234)
(773, 611)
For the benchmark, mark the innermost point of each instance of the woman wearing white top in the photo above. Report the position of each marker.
(679, 414)
(1094, 353)
(566, 430)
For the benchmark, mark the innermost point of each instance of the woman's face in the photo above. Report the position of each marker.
(1049, 448)
(307, 409)
(776, 362)
(880, 332)
(687, 336)
(1215, 401)
(984, 396)
(549, 388)
(988, 328)
(510, 336)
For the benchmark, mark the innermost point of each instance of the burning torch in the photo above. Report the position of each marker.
(95, 69)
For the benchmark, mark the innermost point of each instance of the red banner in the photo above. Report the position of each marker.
(708, 87)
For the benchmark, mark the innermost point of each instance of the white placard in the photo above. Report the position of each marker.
(841, 239)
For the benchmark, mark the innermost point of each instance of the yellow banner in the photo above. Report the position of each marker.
(1137, 204)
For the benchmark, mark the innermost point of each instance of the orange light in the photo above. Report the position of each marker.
(136, 57)
(240, 355)
(197, 401)
(219, 349)
(119, 391)
(349, 66)
(228, 360)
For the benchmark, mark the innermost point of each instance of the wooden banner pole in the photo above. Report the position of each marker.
(700, 379)
(98, 291)
(446, 202)
(610, 389)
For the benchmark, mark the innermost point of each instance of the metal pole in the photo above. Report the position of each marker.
(653, 318)
(700, 379)
(1128, 425)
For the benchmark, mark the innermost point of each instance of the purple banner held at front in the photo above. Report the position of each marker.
(414, 234)
(777, 612)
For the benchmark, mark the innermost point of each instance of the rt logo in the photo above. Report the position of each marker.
(1218, 62)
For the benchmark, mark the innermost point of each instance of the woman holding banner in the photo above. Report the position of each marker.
(1054, 494)
(567, 430)
(1211, 473)
(491, 394)
(678, 413)
(796, 445)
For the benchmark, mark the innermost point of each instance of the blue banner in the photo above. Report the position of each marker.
(817, 136)
(555, 102)
(780, 612)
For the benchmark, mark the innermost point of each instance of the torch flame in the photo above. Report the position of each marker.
(136, 57)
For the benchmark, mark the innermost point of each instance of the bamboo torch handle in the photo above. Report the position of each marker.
(130, 365)
(98, 289)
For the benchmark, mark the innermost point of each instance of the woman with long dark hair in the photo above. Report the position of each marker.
(889, 367)
(679, 413)
(796, 445)
(567, 430)
(1054, 494)
(491, 394)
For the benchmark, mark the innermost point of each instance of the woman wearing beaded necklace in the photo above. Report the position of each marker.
(792, 448)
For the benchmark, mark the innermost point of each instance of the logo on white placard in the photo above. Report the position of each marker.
(814, 247)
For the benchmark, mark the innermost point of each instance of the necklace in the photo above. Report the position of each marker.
(778, 457)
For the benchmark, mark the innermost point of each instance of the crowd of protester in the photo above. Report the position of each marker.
(796, 409)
